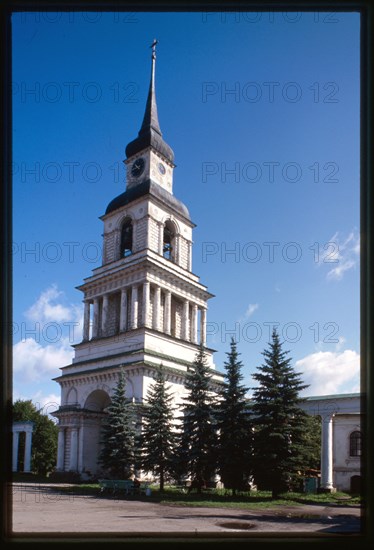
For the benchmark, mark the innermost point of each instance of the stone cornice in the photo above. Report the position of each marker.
(133, 368)
(134, 332)
(98, 359)
(136, 368)
(168, 275)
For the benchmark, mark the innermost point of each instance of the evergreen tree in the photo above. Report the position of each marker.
(311, 443)
(158, 438)
(234, 426)
(197, 452)
(44, 437)
(280, 423)
(118, 434)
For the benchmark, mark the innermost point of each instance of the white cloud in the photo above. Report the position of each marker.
(330, 372)
(340, 254)
(51, 319)
(340, 343)
(49, 308)
(32, 361)
(248, 313)
(44, 309)
(336, 274)
(250, 310)
(45, 342)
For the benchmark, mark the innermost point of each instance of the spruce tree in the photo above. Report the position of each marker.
(197, 451)
(279, 422)
(118, 434)
(311, 443)
(158, 438)
(234, 426)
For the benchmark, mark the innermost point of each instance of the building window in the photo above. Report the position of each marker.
(355, 444)
(168, 248)
(126, 238)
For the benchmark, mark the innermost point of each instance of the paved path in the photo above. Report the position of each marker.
(43, 509)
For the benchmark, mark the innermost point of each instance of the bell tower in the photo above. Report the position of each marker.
(143, 306)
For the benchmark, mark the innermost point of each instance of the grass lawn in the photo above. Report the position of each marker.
(214, 498)
(253, 500)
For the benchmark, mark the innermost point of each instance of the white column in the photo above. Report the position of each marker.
(156, 308)
(194, 324)
(123, 311)
(95, 328)
(189, 266)
(27, 456)
(80, 449)
(185, 320)
(146, 293)
(61, 449)
(15, 451)
(177, 244)
(73, 449)
(167, 312)
(203, 326)
(327, 453)
(104, 314)
(86, 321)
(161, 239)
(134, 307)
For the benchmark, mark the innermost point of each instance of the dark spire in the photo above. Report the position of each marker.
(150, 119)
(150, 132)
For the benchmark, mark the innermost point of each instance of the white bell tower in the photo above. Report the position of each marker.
(143, 306)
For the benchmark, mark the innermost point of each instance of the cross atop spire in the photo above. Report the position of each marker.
(153, 46)
(150, 133)
(150, 119)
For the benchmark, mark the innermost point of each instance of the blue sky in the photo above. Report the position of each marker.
(262, 112)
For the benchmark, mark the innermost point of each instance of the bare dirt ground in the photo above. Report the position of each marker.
(43, 509)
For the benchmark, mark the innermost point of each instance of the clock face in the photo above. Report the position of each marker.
(138, 167)
(161, 168)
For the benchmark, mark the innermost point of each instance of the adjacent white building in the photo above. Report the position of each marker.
(143, 307)
(341, 439)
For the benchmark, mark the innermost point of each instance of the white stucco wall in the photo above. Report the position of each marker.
(345, 466)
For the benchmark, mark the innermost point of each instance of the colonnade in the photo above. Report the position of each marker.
(129, 317)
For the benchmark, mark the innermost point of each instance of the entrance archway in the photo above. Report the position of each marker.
(94, 412)
(97, 401)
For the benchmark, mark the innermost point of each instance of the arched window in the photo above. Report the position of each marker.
(355, 443)
(169, 242)
(126, 238)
